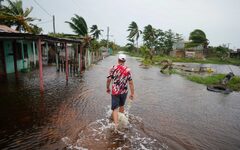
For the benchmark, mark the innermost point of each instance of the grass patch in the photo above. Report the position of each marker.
(209, 60)
(233, 84)
(212, 60)
(214, 79)
(147, 62)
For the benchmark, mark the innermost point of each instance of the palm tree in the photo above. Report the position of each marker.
(169, 40)
(15, 15)
(79, 26)
(95, 31)
(134, 32)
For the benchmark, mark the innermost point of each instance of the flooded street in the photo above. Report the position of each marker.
(169, 112)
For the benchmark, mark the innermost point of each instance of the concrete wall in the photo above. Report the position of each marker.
(178, 53)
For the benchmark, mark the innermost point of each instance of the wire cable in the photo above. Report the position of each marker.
(47, 21)
(43, 8)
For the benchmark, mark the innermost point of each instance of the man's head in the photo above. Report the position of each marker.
(122, 58)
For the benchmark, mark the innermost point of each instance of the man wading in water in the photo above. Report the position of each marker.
(120, 75)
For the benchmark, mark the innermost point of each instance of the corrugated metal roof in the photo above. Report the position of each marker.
(4, 28)
(27, 36)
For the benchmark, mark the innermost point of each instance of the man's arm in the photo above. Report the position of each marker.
(108, 85)
(131, 89)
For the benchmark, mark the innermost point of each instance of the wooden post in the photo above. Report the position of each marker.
(46, 51)
(23, 63)
(40, 64)
(81, 58)
(34, 54)
(15, 57)
(57, 56)
(75, 59)
(86, 59)
(66, 56)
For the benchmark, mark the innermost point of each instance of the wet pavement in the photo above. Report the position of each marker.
(169, 112)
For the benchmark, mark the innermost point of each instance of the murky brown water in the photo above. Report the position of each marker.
(169, 112)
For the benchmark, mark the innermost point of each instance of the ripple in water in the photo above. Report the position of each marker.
(101, 134)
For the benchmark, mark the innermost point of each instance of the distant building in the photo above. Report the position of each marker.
(105, 51)
(179, 50)
(235, 54)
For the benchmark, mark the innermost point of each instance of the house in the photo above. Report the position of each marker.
(23, 51)
(179, 50)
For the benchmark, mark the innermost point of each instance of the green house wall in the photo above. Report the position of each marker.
(9, 61)
(21, 63)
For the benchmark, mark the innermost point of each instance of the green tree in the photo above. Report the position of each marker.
(130, 45)
(150, 37)
(160, 40)
(15, 15)
(178, 37)
(95, 45)
(222, 52)
(134, 32)
(197, 37)
(103, 43)
(147, 54)
(95, 31)
(169, 40)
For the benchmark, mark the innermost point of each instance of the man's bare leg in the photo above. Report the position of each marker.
(115, 117)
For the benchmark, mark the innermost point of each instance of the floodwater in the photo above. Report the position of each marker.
(222, 69)
(169, 112)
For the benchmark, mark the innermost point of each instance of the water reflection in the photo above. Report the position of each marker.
(169, 112)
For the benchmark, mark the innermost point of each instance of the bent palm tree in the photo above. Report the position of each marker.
(79, 26)
(95, 31)
(134, 32)
(14, 15)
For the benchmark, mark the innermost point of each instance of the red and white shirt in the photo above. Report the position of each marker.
(120, 75)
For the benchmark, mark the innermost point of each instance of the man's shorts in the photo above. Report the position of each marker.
(118, 100)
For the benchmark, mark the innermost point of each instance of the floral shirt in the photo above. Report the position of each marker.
(119, 74)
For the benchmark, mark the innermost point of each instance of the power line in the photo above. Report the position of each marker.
(47, 21)
(43, 8)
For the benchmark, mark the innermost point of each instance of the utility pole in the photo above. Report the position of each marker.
(107, 37)
(54, 29)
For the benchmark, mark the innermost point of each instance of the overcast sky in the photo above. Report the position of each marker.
(219, 19)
